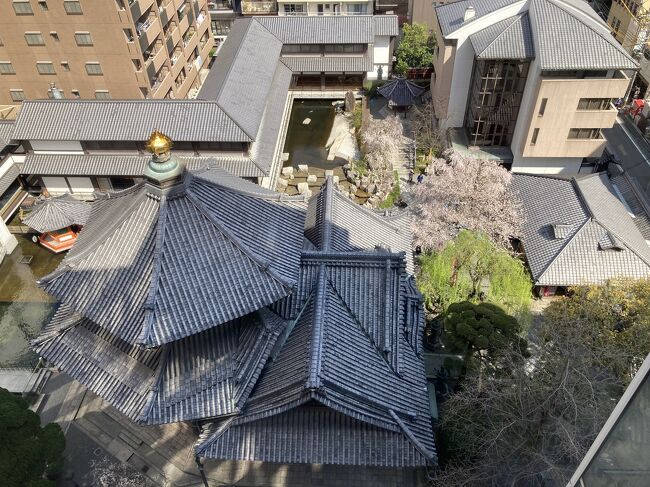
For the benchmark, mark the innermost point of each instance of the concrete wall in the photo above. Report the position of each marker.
(461, 65)
(381, 51)
(562, 114)
(58, 146)
(546, 165)
(311, 6)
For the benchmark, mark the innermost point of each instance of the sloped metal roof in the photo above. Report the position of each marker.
(511, 38)
(591, 211)
(181, 120)
(57, 212)
(400, 91)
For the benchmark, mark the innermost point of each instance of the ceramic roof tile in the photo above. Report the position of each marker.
(636, 202)
(6, 131)
(318, 29)
(57, 212)
(450, 15)
(126, 164)
(152, 277)
(569, 39)
(181, 120)
(8, 177)
(401, 92)
(240, 87)
(589, 211)
(386, 25)
(512, 38)
(318, 64)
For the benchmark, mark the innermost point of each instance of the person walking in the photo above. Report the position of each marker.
(411, 174)
(420, 178)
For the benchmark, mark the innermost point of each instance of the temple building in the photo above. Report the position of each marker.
(288, 329)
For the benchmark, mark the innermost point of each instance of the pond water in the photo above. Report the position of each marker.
(24, 308)
(305, 143)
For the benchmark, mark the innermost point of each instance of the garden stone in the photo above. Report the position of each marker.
(371, 188)
(349, 101)
(329, 172)
(335, 179)
(303, 187)
(287, 171)
(311, 178)
(308, 193)
(303, 168)
(282, 183)
(353, 189)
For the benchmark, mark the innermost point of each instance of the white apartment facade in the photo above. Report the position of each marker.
(318, 7)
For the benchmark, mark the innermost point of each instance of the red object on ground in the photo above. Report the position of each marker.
(637, 106)
(59, 240)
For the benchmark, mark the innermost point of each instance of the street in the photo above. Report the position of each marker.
(631, 149)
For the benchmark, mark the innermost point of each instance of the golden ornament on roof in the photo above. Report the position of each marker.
(158, 143)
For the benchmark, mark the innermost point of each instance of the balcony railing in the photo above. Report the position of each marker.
(253, 7)
(142, 27)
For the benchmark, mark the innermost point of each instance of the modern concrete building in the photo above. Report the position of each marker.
(110, 49)
(628, 21)
(318, 7)
(530, 82)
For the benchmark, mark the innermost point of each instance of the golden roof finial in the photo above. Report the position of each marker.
(158, 143)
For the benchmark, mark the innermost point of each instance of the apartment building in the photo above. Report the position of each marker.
(530, 82)
(318, 7)
(628, 19)
(98, 50)
(222, 15)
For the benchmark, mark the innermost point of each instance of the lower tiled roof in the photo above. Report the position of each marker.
(324, 64)
(57, 212)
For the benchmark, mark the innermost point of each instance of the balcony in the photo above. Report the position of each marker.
(255, 8)
(155, 55)
(220, 5)
(161, 79)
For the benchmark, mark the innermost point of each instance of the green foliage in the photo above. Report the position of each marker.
(472, 268)
(357, 116)
(360, 167)
(28, 451)
(484, 327)
(393, 196)
(613, 319)
(401, 67)
(416, 48)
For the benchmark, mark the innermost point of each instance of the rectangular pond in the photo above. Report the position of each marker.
(24, 308)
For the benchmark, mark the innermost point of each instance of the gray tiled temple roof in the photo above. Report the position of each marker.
(317, 64)
(9, 177)
(158, 254)
(57, 212)
(636, 202)
(353, 349)
(126, 164)
(6, 131)
(568, 34)
(319, 29)
(205, 375)
(450, 15)
(568, 38)
(330, 372)
(578, 232)
(511, 38)
(401, 92)
(386, 25)
(242, 76)
(181, 120)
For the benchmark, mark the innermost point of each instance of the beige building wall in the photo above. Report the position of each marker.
(622, 22)
(561, 114)
(443, 70)
(132, 65)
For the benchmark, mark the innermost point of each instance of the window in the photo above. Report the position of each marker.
(6, 68)
(102, 95)
(594, 103)
(221, 27)
(137, 65)
(55, 93)
(357, 9)
(45, 67)
(75, 93)
(542, 107)
(120, 4)
(83, 38)
(128, 33)
(34, 39)
(22, 7)
(54, 35)
(94, 69)
(43, 5)
(65, 65)
(533, 140)
(293, 9)
(72, 7)
(585, 134)
(17, 95)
